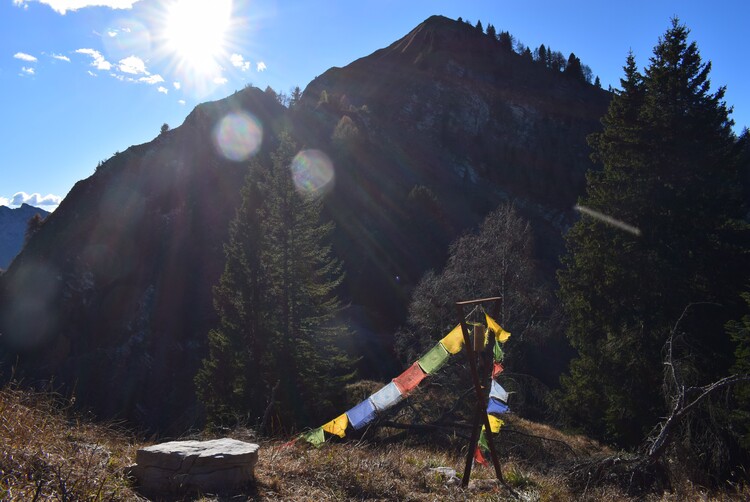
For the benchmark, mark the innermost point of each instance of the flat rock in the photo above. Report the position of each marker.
(219, 465)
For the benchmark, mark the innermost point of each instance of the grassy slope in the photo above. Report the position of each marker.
(47, 455)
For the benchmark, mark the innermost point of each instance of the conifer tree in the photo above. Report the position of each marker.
(506, 42)
(491, 32)
(278, 343)
(670, 172)
(294, 97)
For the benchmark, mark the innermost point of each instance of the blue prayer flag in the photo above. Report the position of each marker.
(497, 407)
(362, 414)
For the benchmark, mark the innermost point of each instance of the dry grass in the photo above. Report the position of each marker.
(47, 455)
(44, 455)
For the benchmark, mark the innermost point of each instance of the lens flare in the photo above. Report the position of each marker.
(237, 136)
(312, 172)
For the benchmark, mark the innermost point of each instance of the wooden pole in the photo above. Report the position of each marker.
(480, 415)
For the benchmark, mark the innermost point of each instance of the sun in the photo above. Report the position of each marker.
(196, 31)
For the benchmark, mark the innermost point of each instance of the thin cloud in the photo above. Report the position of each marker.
(63, 6)
(177, 85)
(25, 57)
(181, 101)
(238, 61)
(61, 57)
(163, 89)
(35, 199)
(220, 80)
(91, 73)
(151, 79)
(261, 66)
(28, 71)
(112, 33)
(98, 60)
(4, 201)
(133, 65)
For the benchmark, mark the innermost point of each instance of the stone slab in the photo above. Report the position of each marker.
(219, 465)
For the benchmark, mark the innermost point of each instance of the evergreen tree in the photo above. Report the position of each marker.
(541, 55)
(278, 341)
(573, 68)
(491, 32)
(505, 40)
(295, 96)
(669, 171)
(597, 82)
(230, 383)
(479, 27)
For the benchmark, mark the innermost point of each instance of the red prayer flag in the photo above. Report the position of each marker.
(497, 368)
(479, 457)
(409, 379)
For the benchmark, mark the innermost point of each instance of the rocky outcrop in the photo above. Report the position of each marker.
(219, 465)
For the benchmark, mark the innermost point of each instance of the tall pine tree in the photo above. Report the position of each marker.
(278, 347)
(670, 170)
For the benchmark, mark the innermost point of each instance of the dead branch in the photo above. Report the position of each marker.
(681, 409)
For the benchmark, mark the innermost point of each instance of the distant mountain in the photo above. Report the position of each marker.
(13, 224)
(113, 296)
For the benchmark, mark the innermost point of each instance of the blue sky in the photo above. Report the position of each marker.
(83, 79)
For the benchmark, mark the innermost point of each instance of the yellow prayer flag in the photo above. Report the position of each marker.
(495, 423)
(500, 334)
(337, 426)
(454, 341)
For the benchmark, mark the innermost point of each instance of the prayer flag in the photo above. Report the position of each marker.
(497, 352)
(454, 341)
(434, 359)
(497, 368)
(409, 379)
(479, 457)
(495, 406)
(482, 443)
(498, 392)
(362, 414)
(386, 397)
(495, 423)
(500, 334)
(337, 426)
(315, 437)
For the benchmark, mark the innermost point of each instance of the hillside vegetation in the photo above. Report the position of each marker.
(46, 453)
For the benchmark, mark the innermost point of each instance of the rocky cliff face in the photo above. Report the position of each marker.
(433, 132)
(113, 295)
(13, 224)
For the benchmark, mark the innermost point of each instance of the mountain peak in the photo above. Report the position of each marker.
(438, 34)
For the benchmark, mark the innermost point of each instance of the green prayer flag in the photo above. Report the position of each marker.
(482, 443)
(434, 359)
(498, 352)
(315, 437)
